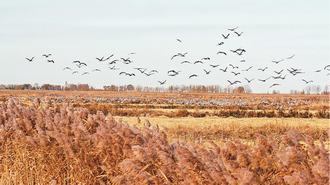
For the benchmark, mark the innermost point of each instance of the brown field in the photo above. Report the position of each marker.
(54, 137)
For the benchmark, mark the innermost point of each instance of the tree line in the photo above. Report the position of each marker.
(309, 89)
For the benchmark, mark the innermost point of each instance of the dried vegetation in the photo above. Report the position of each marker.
(47, 143)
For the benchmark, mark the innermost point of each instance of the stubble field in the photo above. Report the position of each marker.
(163, 138)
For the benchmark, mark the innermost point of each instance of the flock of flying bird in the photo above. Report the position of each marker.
(178, 56)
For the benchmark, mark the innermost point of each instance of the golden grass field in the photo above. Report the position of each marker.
(47, 138)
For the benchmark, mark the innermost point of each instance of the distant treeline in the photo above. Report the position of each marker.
(309, 89)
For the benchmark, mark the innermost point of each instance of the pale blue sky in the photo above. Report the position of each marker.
(82, 30)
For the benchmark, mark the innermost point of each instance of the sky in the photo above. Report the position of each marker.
(83, 30)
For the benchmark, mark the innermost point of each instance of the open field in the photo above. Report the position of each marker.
(144, 138)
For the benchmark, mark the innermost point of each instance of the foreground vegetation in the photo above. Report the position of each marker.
(44, 143)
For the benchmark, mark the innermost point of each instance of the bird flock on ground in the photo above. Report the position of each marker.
(79, 67)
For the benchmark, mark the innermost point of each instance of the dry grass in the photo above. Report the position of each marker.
(51, 144)
(218, 129)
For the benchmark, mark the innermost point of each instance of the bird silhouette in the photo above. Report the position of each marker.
(193, 75)
(291, 57)
(249, 80)
(30, 59)
(127, 74)
(206, 58)
(263, 69)
(108, 57)
(51, 61)
(225, 37)
(319, 70)
(264, 79)
(113, 68)
(46, 55)
(276, 62)
(235, 82)
(247, 68)
(67, 68)
(278, 72)
(273, 85)
(153, 71)
(185, 62)
(100, 59)
(207, 72)
(198, 61)
(96, 70)
(222, 52)
(74, 72)
(220, 43)
(214, 66)
(307, 81)
(242, 61)
(178, 40)
(176, 55)
(85, 73)
(233, 29)
(142, 70)
(238, 34)
(162, 82)
(235, 73)
(233, 66)
(224, 70)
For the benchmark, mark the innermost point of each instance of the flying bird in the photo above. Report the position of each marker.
(249, 80)
(233, 66)
(307, 81)
(206, 58)
(278, 72)
(276, 62)
(178, 40)
(46, 55)
(326, 66)
(96, 70)
(51, 61)
(242, 61)
(273, 85)
(29, 59)
(291, 57)
(225, 37)
(85, 73)
(185, 62)
(235, 82)
(100, 59)
(207, 72)
(220, 43)
(238, 34)
(113, 68)
(264, 79)
(108, 57)
(74, 72)
(233, 29)
(214, 65)
(67, 68)
(222, 52)
(162, 83)
(319, 70)
(193, 75)
(247, 68)
(235, 73)
(263, 69)
(224, 70)
(198, 61)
